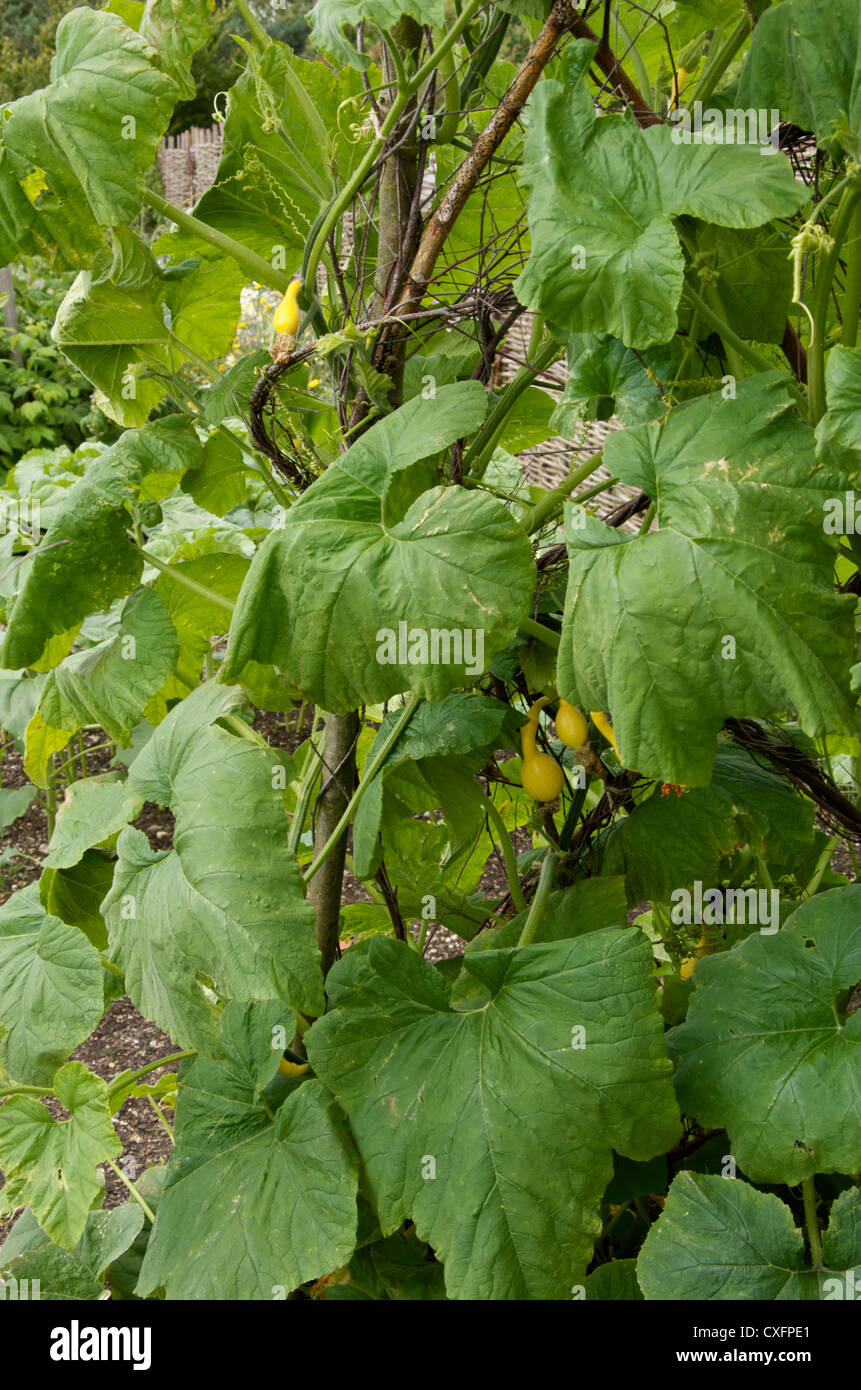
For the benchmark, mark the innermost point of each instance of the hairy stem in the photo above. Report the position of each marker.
(840, 224)
(144, 1206)
(255, 266)
(852, 289)
(371, 770)
(539, 902)
(542, 633)
(808, 1189)
(552, 503)
(508, 856)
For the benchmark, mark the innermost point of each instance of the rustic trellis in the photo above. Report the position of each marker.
(188, 163)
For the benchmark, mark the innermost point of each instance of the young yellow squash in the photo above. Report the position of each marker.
(541, 775)
(288, 314)
(571, 726)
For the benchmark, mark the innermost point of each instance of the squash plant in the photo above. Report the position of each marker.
(651, 1042)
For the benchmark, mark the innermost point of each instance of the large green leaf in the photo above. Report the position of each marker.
(668, 842)
(588, 905)
(93, 132)
(367, 552)
(51, 994)
(282, 149)
(177, 29)
(92, 810)
(465, 725)
(125, 317)
(393, 1269)
(52, 1165)
(719, 1238)
(66, 238)
(85, 560)
(108, 685)
(605, 378)
(329, 17)
(745, 275)
(75, 895)
(806, 62)
(662, 30)
(518, 1123)
(769, 1051)
(66, 1275)
(739, 553)
(838, 434)
(605, 254)
(253, 1206)
(227, 901)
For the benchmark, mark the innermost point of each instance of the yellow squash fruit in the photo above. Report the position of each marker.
(541, 775)
(288, 314)
(571, 726)
(603, 725)
(288, 1068)
(702, 948)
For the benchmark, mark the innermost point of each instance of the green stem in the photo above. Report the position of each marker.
(123, 1081)
(808, 1188)
(731, 339)
(423, 931)
(259, 33)
(542, 633)
(161, 1116)
(109, 965)
(310, 775)
(717, 63)
(255, 266)
(397, 62)
(16, 1090)
(841, 221)
(648, 518)
(200, 362)
(483, 57)
(812, 886)
(340, 204)
(244, 730)
(174, 573)
(371, 770)
(51, 796)
(762, 871)
(539, 902)
(507, 854)
(552, 502)
(477, 456)
(446, 127)
(145, 1208)
(852, 289)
